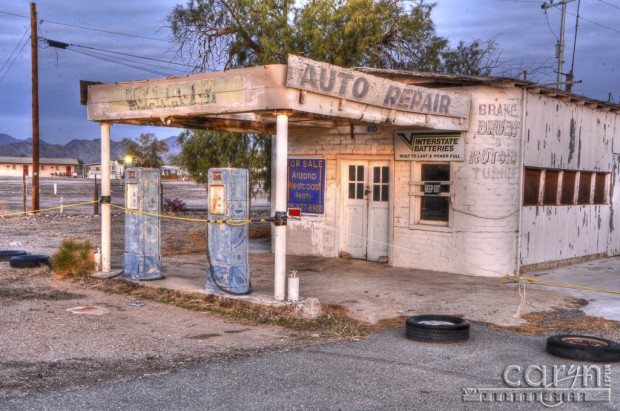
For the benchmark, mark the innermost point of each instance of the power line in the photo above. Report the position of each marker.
(16, 47)
(609, 4)
(16, 56)
(121, 63)
(131, 55)
(593, 22)
(87, 28)
(94, 52)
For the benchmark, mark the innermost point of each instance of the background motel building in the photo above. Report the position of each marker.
(48, 167)
(474, 175)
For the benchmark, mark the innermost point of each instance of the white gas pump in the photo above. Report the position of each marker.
(142, 259)
(227, 243)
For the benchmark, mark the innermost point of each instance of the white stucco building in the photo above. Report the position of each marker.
(48, 167)
(474, 175)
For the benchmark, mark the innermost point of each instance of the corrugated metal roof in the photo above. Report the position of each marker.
(428, 79)
(44, 161)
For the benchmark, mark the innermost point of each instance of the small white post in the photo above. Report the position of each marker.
(281, 150)
(293, 286)
(55, 189)
(105, 193)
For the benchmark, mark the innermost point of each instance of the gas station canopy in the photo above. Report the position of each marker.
(311, 93)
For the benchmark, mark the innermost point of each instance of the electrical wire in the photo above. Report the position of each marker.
(16, 47)
(86, 28)
(97, 53)
(11, 65)
(593, 22)
(572, 64)
(93, 53)
(609, 4)
(131, 55)
(549, 24)
(110, 60)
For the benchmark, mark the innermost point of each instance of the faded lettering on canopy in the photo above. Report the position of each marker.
(228, 90)
(323, 78)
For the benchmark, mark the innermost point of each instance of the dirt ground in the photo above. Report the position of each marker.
(45, 345)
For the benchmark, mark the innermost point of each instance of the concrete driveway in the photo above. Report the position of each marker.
(602, 274)
(373, 292)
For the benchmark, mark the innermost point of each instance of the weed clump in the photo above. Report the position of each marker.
(74, 259)
(174, 205)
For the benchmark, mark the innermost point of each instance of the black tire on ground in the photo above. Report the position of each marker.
(29, 261)
(5, 255)
(437, 328)
(583, 348)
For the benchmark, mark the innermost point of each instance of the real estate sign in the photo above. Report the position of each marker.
(306, 185)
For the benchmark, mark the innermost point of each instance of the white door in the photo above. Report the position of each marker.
(366, 209)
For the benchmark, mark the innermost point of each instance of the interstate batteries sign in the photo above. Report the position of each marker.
(412, 146)
(306, 185)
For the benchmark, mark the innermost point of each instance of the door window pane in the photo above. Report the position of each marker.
(360, 191)
(380, 188)
(356, 182)
(360, 173)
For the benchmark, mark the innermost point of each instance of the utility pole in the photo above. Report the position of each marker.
(35, 106)
(559, 51)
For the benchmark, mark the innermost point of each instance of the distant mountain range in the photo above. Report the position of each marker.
(89, 151)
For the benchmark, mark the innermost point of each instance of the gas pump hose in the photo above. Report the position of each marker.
(220, 286)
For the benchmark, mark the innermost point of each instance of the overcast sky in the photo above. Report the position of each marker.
(525, 35)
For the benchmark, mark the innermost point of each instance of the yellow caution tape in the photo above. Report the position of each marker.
(551, 283)
(229, 222)
(50, 209)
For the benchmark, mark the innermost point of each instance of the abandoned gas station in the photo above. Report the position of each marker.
(472, 175)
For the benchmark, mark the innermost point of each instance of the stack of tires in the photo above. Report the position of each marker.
(21, 259)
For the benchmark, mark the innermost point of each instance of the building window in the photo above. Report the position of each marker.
(601, 188)
(565, 187)
(14, 167)
(432, 194)
(531, 186)
(550, 194)
(585, 188)
(569, 178)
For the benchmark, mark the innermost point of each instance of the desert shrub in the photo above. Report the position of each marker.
(74, 259)
(174, 205)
